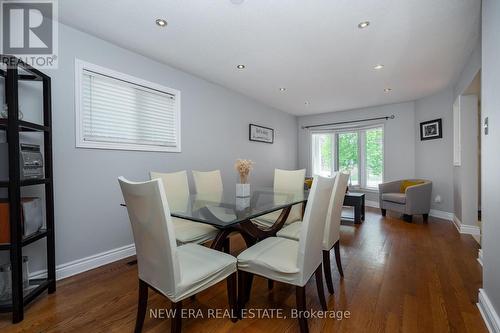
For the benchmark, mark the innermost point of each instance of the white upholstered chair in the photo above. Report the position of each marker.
(176, 188)
(176, 272)
(289, 261)
(331, 236)
(207, 182)
(285, 181)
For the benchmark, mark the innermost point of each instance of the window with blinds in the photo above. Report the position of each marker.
(117, 111)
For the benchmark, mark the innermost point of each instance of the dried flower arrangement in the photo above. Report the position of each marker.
(243, 167)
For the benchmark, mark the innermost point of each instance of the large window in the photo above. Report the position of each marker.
(359, 152)
(117, 111)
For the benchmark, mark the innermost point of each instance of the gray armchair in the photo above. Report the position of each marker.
(415, 201)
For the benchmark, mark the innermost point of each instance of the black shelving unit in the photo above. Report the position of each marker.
(13, 126)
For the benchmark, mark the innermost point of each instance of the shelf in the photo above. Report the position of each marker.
(27, 182)
(41, 286)
(25, 126)
(27, 240)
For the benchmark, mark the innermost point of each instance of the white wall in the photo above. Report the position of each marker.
(490, 107)
(215, 120)
(434, 158)
(399, 134)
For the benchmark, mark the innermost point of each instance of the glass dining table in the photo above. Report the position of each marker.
(229, 213)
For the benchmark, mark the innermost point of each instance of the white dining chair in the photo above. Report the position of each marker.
(176, 272)
(285, 181)
(331, 236)
(207, 182)
(289, 261)
(176, 188)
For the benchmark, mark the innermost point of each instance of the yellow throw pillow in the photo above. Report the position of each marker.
(407, 183)
(308, 182)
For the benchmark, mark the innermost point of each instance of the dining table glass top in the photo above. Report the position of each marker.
(224, 209)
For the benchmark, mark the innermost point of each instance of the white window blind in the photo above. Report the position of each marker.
(121, 112)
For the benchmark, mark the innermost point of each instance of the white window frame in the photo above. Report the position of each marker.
(361, 152)
(80, 66)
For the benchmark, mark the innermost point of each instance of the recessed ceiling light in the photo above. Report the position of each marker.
(379, 66)
(282, 89)
(386, 90)
(363, 24)
(161, 23)
(240, 66)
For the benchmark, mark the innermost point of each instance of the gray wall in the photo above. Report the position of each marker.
(434, 158)
(465, 176)
(490, 107)
(399, 138)
(215, 120)
(467, 173)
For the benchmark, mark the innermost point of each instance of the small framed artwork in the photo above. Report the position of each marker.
(430, 130)
(261, 134)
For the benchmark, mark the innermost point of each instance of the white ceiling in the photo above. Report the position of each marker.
(313, 48)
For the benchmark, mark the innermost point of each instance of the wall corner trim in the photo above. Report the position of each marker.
(85, 264)
(488, 312)
(465, 228)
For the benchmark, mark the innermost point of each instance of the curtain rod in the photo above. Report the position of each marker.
(350, 122)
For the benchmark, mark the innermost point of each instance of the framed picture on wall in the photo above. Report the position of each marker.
(261, 134)
(432, 129)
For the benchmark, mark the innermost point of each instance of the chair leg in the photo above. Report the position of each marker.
(328, 271)
(407, 218)
(384, 212)
(300, 298)
(231, 296)
(426, 217)
(227, 245)
(241, 292)
(248, 285)
(176, 324)
(319, 286)
(142, 305)
(270, 284)
(336, 247)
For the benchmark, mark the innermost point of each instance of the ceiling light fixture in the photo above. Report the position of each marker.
(240, 66)
(161, 23)
(386, 90)
(282, 89)
(306, 102)
(363, 24)
(378, 66)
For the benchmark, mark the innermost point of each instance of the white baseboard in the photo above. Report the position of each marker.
(465, 228)
(480, 256)
(85, 264)
(441, 214)
(488, 312)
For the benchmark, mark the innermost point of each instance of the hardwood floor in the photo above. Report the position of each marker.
(398, 277)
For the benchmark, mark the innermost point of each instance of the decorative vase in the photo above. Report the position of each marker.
(242, 203)
(242, 190)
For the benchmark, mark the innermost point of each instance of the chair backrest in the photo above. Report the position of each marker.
(290, 181)
(333, 216)
(176, 188)
(313, 225)
(207, 182)
(154, 235)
